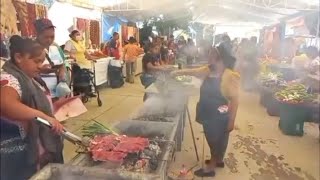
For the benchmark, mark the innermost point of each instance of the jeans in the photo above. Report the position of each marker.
(130, 69)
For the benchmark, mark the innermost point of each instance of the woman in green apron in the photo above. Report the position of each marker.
(218, 104)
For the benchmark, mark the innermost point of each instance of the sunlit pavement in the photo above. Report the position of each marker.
(257, 149)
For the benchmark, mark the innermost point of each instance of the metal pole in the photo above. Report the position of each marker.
(192, 133)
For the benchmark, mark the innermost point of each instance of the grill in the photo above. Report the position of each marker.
(69, 172)
(142, 129)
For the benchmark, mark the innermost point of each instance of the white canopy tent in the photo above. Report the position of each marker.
(246, 14)
(263, 12)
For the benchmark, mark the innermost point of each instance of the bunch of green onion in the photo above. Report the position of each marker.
(97, 129)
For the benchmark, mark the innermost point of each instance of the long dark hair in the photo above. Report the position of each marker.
(24, 46)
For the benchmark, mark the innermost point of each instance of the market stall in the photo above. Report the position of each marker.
(294, 102)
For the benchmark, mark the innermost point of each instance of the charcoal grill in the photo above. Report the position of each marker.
(69, 172)
(142, 129)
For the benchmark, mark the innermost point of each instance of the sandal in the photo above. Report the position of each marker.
(219, 164)
(202, 173)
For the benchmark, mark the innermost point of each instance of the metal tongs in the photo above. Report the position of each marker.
(67, 134)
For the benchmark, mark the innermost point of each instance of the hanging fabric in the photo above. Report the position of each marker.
(124, 32)
(31, 18)
(95, 32)
(8, 18)
(41, 11)
(81, 24)
(22, 12)
(27, 13)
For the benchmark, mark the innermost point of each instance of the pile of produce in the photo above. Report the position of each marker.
(294, 94)
(133, 153)
(184, 78)
(271, 80)
(98, 54)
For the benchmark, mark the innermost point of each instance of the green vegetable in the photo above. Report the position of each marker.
(97, 129)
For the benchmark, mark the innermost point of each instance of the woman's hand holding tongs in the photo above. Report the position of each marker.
(57, 127)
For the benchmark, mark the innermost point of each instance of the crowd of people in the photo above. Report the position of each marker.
(36, 75)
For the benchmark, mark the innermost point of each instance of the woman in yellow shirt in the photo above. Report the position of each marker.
(218, 104)
(76, 49)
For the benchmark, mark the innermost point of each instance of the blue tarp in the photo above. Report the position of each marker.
(110, 24)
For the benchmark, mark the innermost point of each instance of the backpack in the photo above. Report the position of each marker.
(115, 76)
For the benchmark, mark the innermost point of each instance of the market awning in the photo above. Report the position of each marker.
(257, 12)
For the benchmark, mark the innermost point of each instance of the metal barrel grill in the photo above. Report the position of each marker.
(70, 172)
(170, 109)
(145, 129)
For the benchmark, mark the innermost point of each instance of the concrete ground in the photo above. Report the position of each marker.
(257, 149)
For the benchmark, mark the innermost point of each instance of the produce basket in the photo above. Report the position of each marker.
(285, 69)
(292, 118)
(269, 83)
(69, 172)
(293, 110)
(272, 106)
(139, 129)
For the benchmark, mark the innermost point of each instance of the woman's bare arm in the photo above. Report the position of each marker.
(233, 89)
(233, 108)
(199, 72)
(13, 109)
(154, 68)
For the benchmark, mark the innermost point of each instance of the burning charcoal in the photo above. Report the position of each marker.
(153, 163)
(147, 153)
(155, 147)
(140, 164)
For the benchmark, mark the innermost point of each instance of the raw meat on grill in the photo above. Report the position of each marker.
(108, 156)
(132, 144)
(116, 148)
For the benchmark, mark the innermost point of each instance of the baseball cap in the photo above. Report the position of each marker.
(43, 24)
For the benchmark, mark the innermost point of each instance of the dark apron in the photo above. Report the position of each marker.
(14, 162)
(215, 123)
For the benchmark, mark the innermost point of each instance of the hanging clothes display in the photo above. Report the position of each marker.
(130, 32)
(27, 13)
(95, 32)
(31, 18)
(8, 18)
(87, 34)
(81, 24)
(124, 32)
(41, 11)
(22, 12)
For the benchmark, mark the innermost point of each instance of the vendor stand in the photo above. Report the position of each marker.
(268, 84)
(295, 102)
